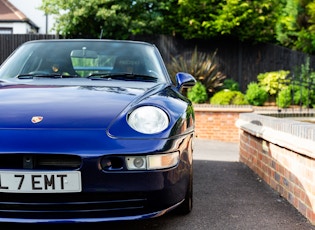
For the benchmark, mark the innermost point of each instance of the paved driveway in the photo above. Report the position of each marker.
(238, 198)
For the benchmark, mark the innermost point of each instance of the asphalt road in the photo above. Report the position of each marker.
(227, 195)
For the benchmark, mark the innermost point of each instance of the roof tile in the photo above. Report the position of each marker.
(9, 12)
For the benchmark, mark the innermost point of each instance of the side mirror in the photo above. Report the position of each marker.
(184, 80)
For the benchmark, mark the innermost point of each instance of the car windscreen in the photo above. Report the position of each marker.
(84, 58)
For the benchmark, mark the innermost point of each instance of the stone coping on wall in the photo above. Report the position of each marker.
(270, 110)
(286, 132)
(223, 108)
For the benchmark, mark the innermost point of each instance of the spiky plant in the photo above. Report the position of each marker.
(203, 66)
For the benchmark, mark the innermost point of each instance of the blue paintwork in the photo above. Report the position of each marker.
(87, 118)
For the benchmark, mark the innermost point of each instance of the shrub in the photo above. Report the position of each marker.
(255, 94)
(230, 84)
(198, 93)
(228, 97)
(239, 99)
(301, 96)
(284, 98)
(203, 66)
(273, 82)
(221, 98)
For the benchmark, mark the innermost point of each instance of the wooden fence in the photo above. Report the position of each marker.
(9, 42)
(238, 60)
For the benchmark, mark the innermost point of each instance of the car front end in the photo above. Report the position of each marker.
(92, 143)
(64, 164)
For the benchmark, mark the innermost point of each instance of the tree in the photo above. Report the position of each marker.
(295, 28)
(306, 36)
(106, 18)
(290, 23)
(248, 20)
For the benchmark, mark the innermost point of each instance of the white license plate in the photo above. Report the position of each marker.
(40, 182)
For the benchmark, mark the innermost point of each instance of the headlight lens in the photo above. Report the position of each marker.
(148, 120)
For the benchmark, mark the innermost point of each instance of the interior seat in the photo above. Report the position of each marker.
(129, 64)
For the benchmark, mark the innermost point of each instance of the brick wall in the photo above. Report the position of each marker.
(283, 160)
(218, 122)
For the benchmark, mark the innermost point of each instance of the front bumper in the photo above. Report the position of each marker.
(106, 195)
(82, 207)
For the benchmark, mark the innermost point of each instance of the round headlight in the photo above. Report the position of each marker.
(148, 120)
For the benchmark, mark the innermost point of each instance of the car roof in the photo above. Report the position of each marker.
(91, 40)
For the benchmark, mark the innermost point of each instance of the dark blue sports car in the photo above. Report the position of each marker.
(93, 131)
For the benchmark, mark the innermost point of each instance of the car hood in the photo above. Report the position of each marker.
(39, 106)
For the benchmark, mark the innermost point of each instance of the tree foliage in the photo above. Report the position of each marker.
(290, 23)
(106, 18)
(247, 20)
(295, 27)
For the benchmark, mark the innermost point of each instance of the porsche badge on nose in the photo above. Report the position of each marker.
(37, 119)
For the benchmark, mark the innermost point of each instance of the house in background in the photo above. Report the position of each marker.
(13, 21)
(24, 17)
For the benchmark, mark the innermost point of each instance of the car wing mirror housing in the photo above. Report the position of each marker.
(184, 80)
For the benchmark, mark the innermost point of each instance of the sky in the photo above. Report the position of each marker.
(29, 8)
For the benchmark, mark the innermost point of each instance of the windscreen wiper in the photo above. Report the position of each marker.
(122, 76)
(53, 75)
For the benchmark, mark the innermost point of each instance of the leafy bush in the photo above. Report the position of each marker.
(230, 84)
(198, 93)
(284, 98)
(273, 82)
(203, 66)
(303, 85)
(228, 97)
(255, 94)
(301, 96)
(239, 99)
